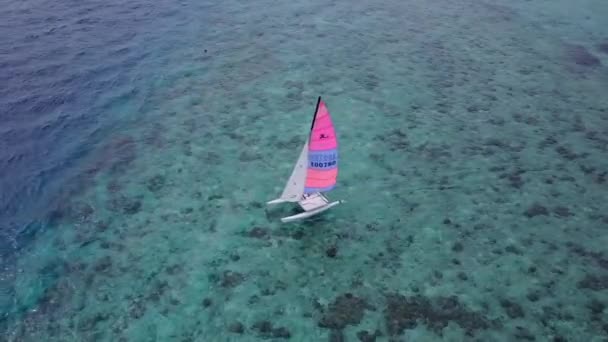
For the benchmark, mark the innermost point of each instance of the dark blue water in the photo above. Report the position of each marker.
(72, 73)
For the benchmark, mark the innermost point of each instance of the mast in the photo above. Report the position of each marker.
(312, 124)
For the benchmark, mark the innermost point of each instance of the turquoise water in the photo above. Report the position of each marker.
(473, 143)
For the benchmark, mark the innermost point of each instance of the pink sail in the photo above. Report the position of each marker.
(322, 170)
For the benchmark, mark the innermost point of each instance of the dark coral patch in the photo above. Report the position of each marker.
(513, 250)
(566, 153)
(332, 251)
(126, 205)
(396, 139)
(66, 211)
(259, 233)
(265, 329)
(434, 152)
(346, 310)
(281, 332)
(247, 156)
(231, 279)
(598, 257)
(405, 312)
(137, 309)
(337, 336)
(262, 326)
(212, 158)
(457, 247)
(256, 204)
(533, 296)
(514, 178)
(91, 323)
(594, 282)
(462, 276)
(236, 327)
(603, 47)
(366, 336)
(596, 307)
(101, 226)
(155, 183)
(512, 309)
(523, 334)
(207, 302)
(562, 211)
(214, 197)
(103, 264)
(54, 296)
(298, 234)
(158, 290)
(548, 141)
(536, 209)
(526, 118)
(601, 177)
(174, 269)
(581, 56)
(114, 186)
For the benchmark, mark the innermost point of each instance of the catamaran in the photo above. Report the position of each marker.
(316, 170)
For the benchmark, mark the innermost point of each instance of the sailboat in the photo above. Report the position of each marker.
(316, 170)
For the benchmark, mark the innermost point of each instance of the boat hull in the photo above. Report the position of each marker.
(310, 213)
(276, 201)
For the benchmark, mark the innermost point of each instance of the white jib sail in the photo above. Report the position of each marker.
(294, 189)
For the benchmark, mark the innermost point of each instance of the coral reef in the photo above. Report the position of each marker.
(472, 158)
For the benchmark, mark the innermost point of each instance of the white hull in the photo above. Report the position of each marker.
(276, 201)
(310, 213)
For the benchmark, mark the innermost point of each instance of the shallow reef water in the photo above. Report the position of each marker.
(473, 160)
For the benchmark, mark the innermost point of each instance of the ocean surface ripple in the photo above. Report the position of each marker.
(71, 71)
